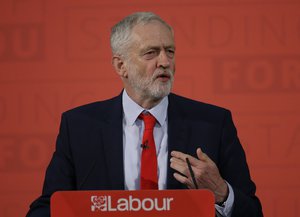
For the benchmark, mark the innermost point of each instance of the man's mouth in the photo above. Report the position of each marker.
(163, 77)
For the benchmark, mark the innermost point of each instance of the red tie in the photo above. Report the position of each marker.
(149, 160)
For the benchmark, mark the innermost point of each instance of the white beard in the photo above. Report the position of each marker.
(150, 87)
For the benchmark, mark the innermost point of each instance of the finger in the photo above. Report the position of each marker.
(198, 162)
(182, 156)
(177, 161)
(201, 155)
(182, 179)
(180, 167)
(178, 154)
(195, 162)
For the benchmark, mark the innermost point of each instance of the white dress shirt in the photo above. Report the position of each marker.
(133, 129)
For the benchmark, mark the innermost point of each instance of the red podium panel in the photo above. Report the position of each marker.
(147, 203)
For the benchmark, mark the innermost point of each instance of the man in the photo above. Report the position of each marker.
(98, 146)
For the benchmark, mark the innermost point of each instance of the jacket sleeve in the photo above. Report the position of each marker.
(234, 169)
(59, 175)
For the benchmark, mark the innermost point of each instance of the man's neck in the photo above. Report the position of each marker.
(145, 102)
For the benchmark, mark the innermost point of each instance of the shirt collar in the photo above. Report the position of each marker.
(132, 110)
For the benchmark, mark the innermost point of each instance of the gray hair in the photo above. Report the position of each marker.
(121, 32)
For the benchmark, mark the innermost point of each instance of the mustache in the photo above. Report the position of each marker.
(163, 72)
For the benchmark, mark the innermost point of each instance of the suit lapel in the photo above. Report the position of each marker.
(113, 145)
(178, 138)
(113, 141)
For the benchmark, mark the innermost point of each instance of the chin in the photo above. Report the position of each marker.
(160, 92)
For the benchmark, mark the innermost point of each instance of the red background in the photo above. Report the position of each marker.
(242, 55)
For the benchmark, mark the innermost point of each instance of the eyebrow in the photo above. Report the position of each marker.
(157, 48)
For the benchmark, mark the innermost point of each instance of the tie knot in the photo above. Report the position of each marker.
(149, 120)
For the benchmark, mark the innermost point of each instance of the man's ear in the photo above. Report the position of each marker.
(119, 65)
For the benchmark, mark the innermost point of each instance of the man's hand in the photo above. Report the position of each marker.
(206, 173)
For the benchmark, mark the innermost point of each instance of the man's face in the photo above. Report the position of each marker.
(151, 61)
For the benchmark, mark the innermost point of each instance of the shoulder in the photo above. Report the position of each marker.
(97, 110)
(192, 109)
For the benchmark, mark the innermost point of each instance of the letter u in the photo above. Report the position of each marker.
(163, 204)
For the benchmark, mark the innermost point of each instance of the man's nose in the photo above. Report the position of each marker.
(163, 60)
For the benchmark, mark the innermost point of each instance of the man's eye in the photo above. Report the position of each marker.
(150, 54)
(171, 53)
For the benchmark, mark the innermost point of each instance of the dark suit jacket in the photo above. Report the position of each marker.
(89, 150)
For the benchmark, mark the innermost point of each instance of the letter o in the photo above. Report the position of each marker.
(151, 204)
(260, 75)
(131, 202)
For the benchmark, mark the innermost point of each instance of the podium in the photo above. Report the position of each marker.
(146, 203)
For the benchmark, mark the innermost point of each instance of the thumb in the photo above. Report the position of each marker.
(201, 155)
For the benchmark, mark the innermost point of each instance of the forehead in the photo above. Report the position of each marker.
(152, 34)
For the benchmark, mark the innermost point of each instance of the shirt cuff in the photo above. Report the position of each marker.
(226, 210)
